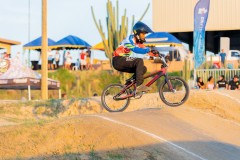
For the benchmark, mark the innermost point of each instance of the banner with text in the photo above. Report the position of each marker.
(200, 19)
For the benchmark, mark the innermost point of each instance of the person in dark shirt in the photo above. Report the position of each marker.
(222, 83)
(88, 52)
(234, 84)
(200, 83)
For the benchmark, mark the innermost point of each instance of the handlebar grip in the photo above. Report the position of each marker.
(164, 61)
(155, 52)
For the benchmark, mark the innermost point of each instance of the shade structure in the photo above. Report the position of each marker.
(162, 38)
(71, 42)
(99, 46)
(36, 44)
(17, 76)
(6, 44)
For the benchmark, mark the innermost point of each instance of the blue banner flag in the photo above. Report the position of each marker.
(200, 19)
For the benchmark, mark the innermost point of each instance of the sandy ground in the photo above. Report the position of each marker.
(207, 126)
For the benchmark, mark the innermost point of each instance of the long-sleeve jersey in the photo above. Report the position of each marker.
(127, 47)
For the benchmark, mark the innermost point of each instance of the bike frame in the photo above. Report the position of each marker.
(157, 75)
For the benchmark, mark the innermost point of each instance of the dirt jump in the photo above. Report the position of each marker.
(207, 126)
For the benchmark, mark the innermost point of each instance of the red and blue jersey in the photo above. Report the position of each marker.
(128, 46)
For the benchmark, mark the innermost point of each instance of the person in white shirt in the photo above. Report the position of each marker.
(68, 60)
(57, 58)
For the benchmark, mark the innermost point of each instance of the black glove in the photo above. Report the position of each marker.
(155, 52)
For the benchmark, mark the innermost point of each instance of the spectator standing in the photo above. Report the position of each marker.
(64, 56)
(210, 84)
(68, 61)
(88, 52)
(88, 60)
(200, 83)
(223, 55)
(83, 59)
(234, 84)
(6, 55)
(50, 60)
(57, 58)
(222, 83)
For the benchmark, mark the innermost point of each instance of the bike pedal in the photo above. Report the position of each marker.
(138, 95)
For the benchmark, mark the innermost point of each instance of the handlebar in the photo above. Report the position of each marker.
(163, 58)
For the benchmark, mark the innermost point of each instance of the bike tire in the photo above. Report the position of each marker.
(177, 98)
(107, 98)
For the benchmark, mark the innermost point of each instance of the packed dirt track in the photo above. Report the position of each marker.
(207, 126)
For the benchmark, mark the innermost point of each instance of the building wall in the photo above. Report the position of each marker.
(178, 15)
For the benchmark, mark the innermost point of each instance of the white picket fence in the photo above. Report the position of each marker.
(206, 73)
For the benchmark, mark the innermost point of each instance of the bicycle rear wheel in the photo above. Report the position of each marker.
(113, 100)
(177, 95)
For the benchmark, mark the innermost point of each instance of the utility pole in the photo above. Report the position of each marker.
(29, 31)
(44, 81)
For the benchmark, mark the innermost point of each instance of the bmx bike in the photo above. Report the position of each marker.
(173, 91)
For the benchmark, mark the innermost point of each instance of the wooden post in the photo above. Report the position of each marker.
(44, 82)
(29, 92)
(59, 94)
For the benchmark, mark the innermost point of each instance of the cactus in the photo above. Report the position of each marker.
(211, 61)
(144, 12)
(115, 32)
(78, 86)
(186, 70)
(89, 88)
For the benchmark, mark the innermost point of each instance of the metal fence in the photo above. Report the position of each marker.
(216, 73)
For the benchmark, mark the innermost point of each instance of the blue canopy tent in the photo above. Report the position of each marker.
(36, 44)
(165, 43)
(71, 42)
(162, 38)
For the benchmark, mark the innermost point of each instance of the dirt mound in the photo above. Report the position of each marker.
(20, 112)
(75, 138)
(69, 107)
(224, 103)
(53, 129)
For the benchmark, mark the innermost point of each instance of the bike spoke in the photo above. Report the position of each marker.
(175, 96)
(113, 99)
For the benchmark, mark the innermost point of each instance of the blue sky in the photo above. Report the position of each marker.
(65, 17)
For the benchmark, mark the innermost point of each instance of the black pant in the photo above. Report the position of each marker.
(130, 65)
(57, 64)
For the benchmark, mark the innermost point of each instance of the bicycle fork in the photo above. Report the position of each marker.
(169, 84)
(117, 96)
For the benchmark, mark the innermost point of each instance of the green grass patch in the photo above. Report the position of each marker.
(115, 156)
(77, 84)
(94, 156)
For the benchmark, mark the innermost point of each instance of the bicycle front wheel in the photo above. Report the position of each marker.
(113, 98)
(174, 92)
